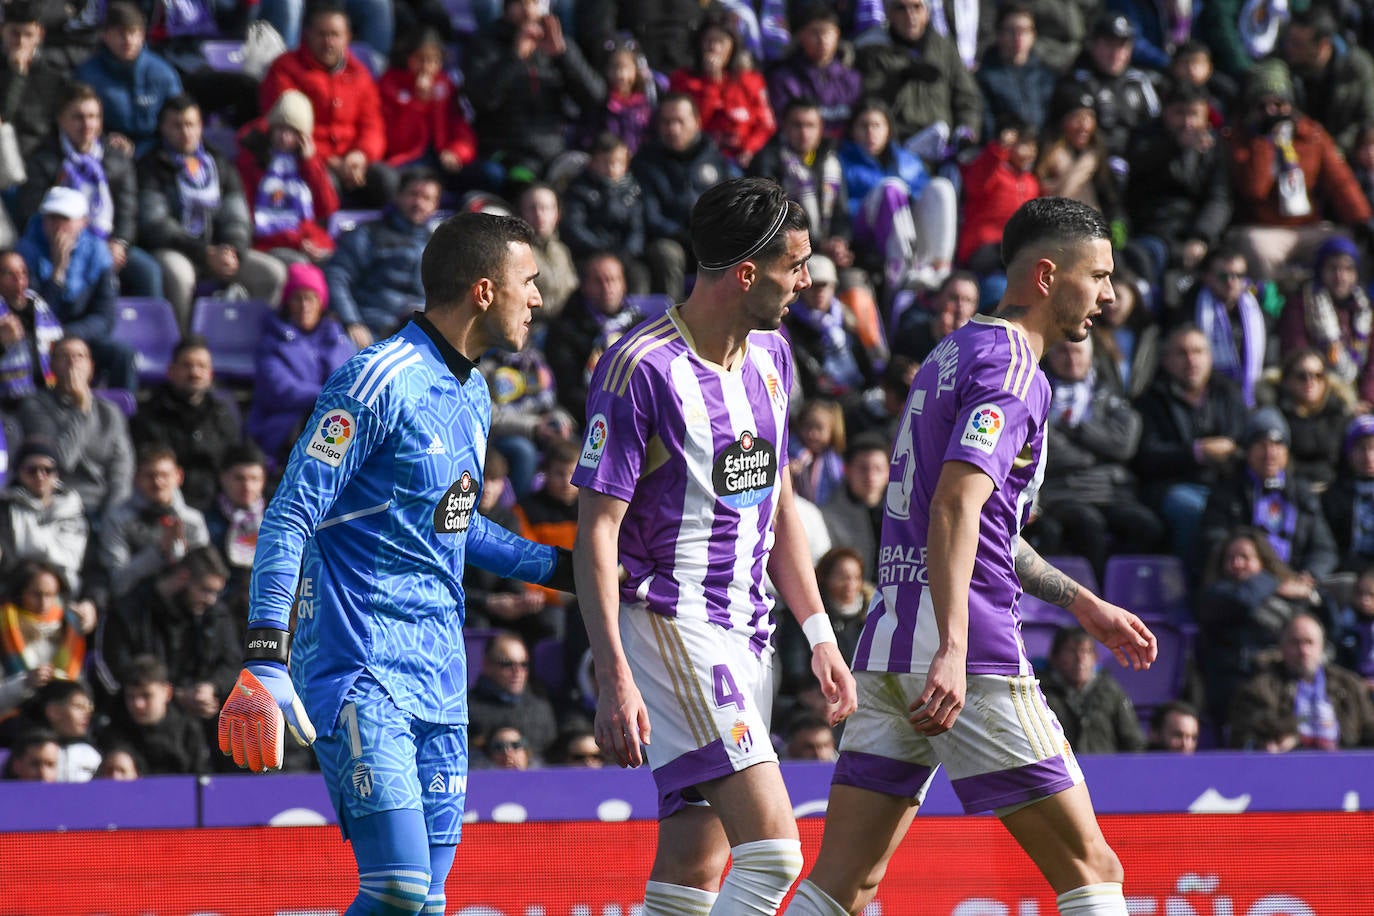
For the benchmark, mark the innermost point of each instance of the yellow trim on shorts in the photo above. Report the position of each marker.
(1039, 712)
(674, 658)
(1018, 701)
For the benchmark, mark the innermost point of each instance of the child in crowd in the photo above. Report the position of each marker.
(630, 92)
(425, 123)
(289, 191)
(818, 466)
(66, 708)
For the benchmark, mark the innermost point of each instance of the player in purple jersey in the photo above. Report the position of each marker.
(943, 677)
(683, 484)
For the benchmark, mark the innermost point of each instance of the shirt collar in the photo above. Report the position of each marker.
(457, 363)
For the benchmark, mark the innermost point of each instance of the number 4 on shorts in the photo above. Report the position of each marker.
(727, 693)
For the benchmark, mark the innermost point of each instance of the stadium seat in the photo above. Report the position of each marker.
(120, 398)
(1163, 680)
(223, 56)
(546, 664)
(342, 221)
(1038, 636)
(221, 138)
(650, 305)
(233, 330)
(475, 641)
(1153, 586)
(1076, 568)
(150, 327)
(367, 57)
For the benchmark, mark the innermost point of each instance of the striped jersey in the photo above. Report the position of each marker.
(366, 537)
(696, 451)
(979, 397)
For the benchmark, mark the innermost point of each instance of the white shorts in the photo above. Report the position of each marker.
(709, 696)
(1006, 748)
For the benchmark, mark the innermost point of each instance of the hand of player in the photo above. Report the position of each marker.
(837, 684)
(1121, 631)
(939, 704)
(622, 720)
(252, 719)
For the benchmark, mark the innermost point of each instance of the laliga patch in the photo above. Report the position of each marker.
(595, 445)
(984, 428)
(332, 437)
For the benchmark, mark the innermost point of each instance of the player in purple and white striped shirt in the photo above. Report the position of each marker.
(682, 485)
(942, 672)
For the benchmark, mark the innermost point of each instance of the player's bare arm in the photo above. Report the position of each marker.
(1115, 627)
(789, 566)
(622, 720)
(955, 509)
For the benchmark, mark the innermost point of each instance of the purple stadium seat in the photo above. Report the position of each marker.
(1163, 680)
(233, 330)
(1076, 568)
(1038, 636)
(650, 305)
(475, 642)
(150, 327)
(1152, 586)
(547, 664)
(460, 15)
(120, 398)
(344, 220)
(223, 56)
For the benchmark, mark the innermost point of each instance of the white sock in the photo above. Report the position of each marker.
(761, 873)
(662, 899)
(1093, 900)
(810, 900)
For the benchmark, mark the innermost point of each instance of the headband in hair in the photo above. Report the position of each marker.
(755, 248)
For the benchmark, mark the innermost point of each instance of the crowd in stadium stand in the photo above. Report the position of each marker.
(285, 161)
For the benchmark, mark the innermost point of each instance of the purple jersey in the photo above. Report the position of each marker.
(979, 397)
(697, 452)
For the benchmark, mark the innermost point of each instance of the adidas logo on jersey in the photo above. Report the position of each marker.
(436, 447)
(453, 784)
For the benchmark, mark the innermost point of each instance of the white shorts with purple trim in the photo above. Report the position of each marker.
(709, 696)
(1006, 748)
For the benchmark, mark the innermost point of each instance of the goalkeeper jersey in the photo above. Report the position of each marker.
(366, 537)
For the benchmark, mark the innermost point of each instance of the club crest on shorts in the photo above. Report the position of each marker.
(984, 428)
(362, 780)
(332, 437)
(744, 740)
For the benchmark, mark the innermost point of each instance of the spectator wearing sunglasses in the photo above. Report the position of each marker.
(503, 696)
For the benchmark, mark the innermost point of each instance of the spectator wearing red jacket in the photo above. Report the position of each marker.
(290, 196)
(349, 134)
(996, 184)
(425, 124)
(730, 95)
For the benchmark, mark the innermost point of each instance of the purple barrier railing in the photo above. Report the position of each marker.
(1121, 784)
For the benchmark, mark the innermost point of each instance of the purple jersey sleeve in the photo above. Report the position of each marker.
(618, 433)
(992, 421)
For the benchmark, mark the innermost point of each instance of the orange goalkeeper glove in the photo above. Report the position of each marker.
(256, 715)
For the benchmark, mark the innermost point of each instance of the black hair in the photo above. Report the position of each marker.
(1186, 94)
(1317, 18)
(246, 452)
(870, 441)
(145, 669)
(606, 142)
(188, 343)
(318, 8)
(1068, 635)
(1190, 47)
(1054, 221)
(1161, 713)
(27, 570)
(1014, 8)
(416, 175)
(732, 222)
(805, 102)
(177, 104)
(152, 453)
(467, 248)
(60, 691)
(121, 15)
(25, 741)
(200, 562)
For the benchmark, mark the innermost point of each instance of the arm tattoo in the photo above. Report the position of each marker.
(1041, 580)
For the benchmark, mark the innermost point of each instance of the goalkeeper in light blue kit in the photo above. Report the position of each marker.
(363, 549)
